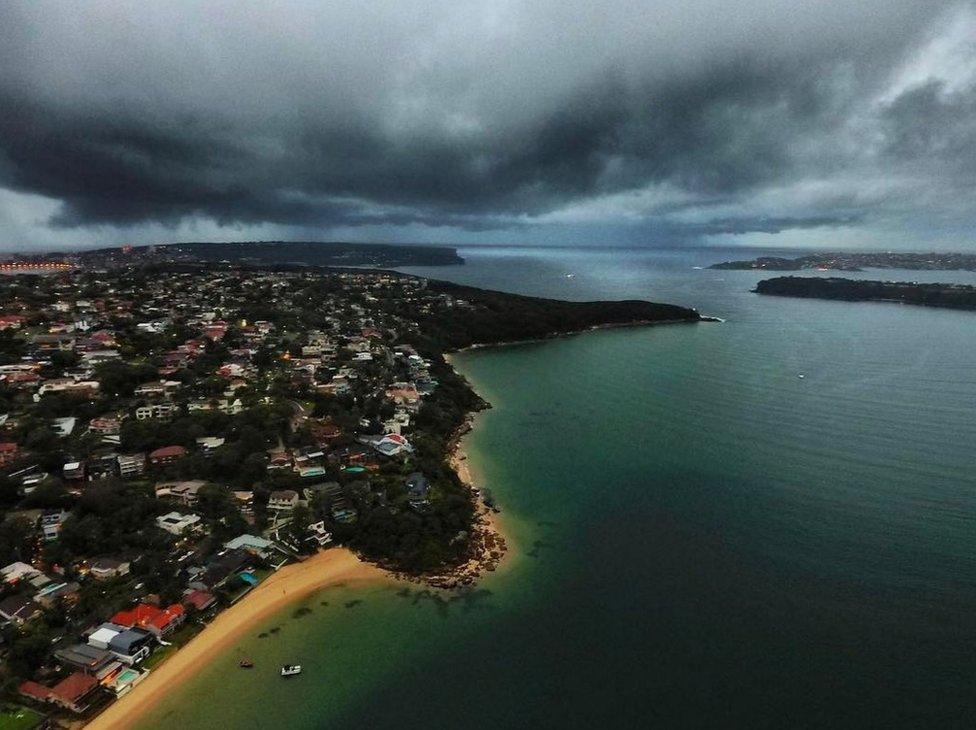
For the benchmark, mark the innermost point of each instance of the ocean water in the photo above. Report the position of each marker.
(702, 537)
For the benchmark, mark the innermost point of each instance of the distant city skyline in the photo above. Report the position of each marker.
(683, 122)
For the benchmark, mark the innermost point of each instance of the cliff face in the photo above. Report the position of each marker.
(955, 296)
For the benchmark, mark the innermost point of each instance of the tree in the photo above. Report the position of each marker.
(16, 541)
(119, 379)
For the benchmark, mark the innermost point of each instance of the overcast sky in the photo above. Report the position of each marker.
(841, 123)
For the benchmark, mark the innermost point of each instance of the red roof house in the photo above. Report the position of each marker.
(12, 321)
(8, 452)
(71, 692)
(167, 455)
(200, 600)
(158, 621)
(34, 690)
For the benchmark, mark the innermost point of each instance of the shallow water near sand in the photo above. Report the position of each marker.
(701, 537)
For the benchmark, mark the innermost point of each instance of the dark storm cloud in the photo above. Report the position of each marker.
(931, 124)
(470, 115)
(737, 226)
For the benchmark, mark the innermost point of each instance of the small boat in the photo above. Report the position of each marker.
(290, 670)
(245, 664)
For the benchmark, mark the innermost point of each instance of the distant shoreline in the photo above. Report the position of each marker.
(941, 296)
(840, 261)
(291, 583)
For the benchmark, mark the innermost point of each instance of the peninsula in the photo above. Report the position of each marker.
(173, 434)
(954, 296)
(859, 262)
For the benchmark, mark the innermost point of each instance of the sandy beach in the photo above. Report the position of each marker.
(292, 582)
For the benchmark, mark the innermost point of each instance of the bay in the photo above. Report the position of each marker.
(702, 538)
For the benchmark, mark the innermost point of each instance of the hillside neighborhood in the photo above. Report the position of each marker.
(170, 437)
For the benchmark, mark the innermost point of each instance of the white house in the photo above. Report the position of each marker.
(284, 500)
(176, 523)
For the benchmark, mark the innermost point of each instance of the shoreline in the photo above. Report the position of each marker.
(492, 545)
(291, 583)
(583, 331)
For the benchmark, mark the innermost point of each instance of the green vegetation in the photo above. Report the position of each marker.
(18, 718)
(952, 296)
(490, 317)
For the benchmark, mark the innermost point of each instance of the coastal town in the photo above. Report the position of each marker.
(174, 435)
(170, 438)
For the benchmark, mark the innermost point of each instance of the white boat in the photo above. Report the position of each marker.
(290, 670)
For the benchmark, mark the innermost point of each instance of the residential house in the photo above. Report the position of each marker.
(107, 568)
(8, 453)
(251, 543)
(53, 592)
(405, 395)
(319, 534)
(48, 343)
(184, 491)
(73, 470)
(95, 662)
(159, 621)
(101, 467)
(64, 426)
(176, 524)
(157, 389)
(209, 444)
(223, 566)
(163, 411)
(51, 521)
(200, 600)
(74, 692)
(324, 490)
(224, 405)
(284, 500)
(279, 459)
(323, 432)
(131, 645)
(23, 573)
(19, 608)
(391, 444)
(96, 357)
(131, 465)
(105, 425)
(166, 455)
(12, 321)
(103, 635)
(69, 386)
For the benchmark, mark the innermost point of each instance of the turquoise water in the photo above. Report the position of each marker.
(703, 538)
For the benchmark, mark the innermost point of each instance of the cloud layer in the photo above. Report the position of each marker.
(763, 121)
